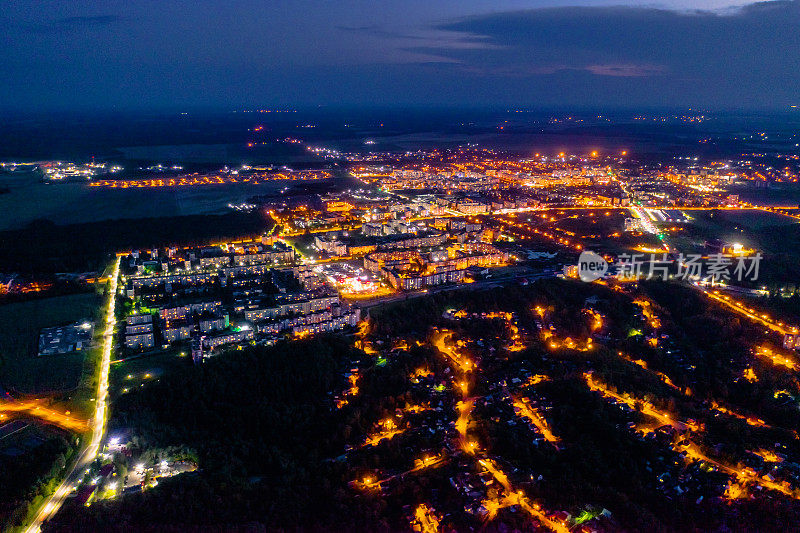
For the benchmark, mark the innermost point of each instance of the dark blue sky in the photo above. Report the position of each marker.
(245, 53)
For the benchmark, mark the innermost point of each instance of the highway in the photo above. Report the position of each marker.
(98, 423)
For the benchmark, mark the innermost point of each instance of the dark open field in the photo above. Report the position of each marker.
(134, 372)
(776, 237)
(48, 247)
(29, 199)
(20, 369)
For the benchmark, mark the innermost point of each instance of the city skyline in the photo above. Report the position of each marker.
(463, 265)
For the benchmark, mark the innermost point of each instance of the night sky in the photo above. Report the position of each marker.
(232, 54)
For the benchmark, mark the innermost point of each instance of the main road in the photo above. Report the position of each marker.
(97, 423)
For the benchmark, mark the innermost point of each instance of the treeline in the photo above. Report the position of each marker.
(260, 424)
(787, 308)
(26, 480)
(264, 431)
(45, 247)
(719, 344)
(563, 299)
(602, 463)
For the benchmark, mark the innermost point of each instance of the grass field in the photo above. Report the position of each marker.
(139, 371)
(740, 219)
(30, 199)
(20, 369)
(776, 237)
(769, 233)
